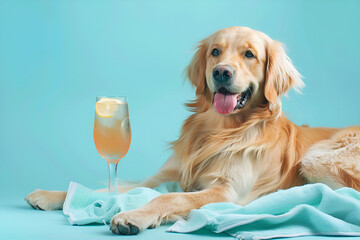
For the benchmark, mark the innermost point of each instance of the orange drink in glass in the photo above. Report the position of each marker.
(112, 133)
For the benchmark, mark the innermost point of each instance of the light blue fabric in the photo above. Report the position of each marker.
(310, 210)
(83, 205)
(300, 211)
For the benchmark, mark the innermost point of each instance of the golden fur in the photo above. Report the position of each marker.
(246, 154)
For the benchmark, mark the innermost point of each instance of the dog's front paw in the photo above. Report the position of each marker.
(133, 222)
(46, 200)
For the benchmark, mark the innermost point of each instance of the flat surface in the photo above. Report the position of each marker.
(19, 221)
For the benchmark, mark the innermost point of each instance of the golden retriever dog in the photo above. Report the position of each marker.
(238, 145)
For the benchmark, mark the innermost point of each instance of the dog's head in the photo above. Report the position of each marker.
(239, 68)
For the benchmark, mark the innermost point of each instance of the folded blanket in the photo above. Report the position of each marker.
(84, 206)
(312, 209)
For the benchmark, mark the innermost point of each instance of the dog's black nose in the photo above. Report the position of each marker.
(223, 73)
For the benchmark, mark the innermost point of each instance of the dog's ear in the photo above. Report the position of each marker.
(196, 69)
(281, 74)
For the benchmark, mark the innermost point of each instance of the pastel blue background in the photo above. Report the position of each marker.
(57, 56)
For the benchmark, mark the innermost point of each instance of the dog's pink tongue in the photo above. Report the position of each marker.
(224, 104)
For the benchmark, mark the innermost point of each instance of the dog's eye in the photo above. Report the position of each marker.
(249, 54)
(215, 52)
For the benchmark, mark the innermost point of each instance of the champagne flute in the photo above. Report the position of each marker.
(112, 133)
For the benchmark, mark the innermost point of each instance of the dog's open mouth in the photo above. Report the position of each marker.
(226, 102)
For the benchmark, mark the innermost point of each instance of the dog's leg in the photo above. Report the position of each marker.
(335, 162)
(54, 200)
(169, 206)
(46, 200)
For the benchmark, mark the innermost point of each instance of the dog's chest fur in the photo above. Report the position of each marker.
(238, 157)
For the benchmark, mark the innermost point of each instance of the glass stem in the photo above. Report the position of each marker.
(112, 178)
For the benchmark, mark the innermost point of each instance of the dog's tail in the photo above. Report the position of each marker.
(349, 179)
